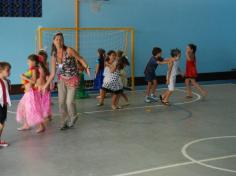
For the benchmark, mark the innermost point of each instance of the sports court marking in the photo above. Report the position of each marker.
(191, 162)
(186, 155)
(133, 108)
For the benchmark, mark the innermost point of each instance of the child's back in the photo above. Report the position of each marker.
(151, 66)
(174, 68)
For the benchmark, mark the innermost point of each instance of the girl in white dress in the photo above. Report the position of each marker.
(112, 82)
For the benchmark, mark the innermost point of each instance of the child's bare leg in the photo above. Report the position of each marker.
(188, 88)
(41, 128)
(154, 87)
(148, 89)
(100, 94)
(101, 101)
(114, 101)
(117, 100)
(198, 87)
(125, 97)
(49, 117)
(1, 130)
(167, 96)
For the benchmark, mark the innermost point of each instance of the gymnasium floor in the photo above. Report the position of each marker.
(189, 138)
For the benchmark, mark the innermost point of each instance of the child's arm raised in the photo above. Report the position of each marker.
(165, 61)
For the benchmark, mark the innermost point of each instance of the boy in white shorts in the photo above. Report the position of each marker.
(173, 71)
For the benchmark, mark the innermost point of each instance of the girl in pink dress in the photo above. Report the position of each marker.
(43, 56)
(45, 96)
(29, 110)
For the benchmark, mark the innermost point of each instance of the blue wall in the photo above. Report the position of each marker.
(165, 23)
(17, 35)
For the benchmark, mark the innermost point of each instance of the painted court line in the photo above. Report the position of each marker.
(134, 108)
(174, 165)
(188, 145)
(150, 106)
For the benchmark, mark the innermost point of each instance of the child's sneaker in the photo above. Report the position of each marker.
(126, 104)
(147, 99)
(154, 97)
(100, 104)
(3, 144)
(113, 107)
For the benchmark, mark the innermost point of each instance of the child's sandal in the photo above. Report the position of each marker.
(188, 97)
(166, 103)
(23, 129)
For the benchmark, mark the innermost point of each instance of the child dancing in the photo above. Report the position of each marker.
(123, 76)
(29, 110)
(150, 75)
(4, 97)
(112, 82)
(173, 71)
(45, 96)
(191, 71)
(99, 70)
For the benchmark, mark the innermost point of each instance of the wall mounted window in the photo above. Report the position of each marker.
(20, 8)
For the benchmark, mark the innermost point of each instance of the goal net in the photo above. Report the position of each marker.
(87, 41)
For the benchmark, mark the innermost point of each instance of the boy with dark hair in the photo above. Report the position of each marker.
(4, 97)
(150, 74)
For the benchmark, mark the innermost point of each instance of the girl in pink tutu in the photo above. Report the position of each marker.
(29, 110)
(43, 56)
(45, 96)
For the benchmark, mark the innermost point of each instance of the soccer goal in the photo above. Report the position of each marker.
(87, 40)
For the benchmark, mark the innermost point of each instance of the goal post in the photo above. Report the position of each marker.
(89, 40)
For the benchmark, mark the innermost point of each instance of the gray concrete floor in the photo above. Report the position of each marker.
(131, 141)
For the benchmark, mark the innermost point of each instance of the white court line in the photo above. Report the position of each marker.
(186, 155)
(133, 108)
(150, 106)
(174, 165)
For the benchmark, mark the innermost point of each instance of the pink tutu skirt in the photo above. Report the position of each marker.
(29, 109)
(46, 103)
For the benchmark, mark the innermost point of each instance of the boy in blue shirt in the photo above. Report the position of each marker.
(150, 74)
